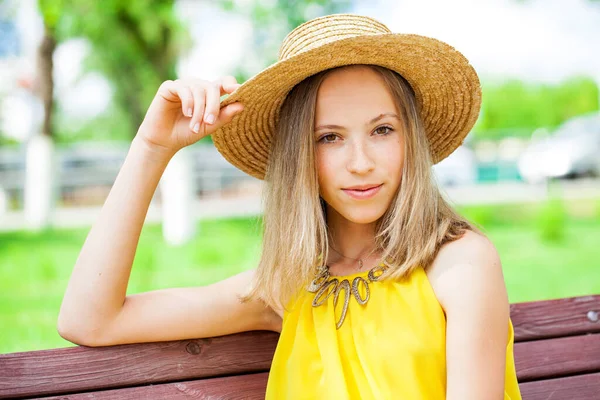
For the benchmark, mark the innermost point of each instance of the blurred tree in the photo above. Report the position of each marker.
(44, 84)
(271, 21)
(521, 107)
(135, 45)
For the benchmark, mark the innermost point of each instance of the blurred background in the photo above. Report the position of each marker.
(76, 78)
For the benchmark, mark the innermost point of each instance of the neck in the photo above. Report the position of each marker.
(350, 241)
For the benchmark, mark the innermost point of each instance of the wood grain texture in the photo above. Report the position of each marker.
(76, 369)
(555, 318)
(240, 387)
(554, 358)
(554, 338)
(581, 387)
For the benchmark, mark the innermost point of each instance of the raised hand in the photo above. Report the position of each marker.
(186, 110)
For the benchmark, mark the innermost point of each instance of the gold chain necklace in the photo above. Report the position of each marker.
(360, 261)
(322, 283)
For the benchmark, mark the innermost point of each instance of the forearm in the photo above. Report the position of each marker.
(98, 284)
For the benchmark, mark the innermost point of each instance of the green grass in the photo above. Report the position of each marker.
(548, 250)
(35, 269)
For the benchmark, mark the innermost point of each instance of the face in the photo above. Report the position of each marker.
(359, 142)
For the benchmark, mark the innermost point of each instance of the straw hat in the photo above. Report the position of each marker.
(447, 88)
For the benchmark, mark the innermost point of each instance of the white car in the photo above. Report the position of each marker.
(459, 168)
(573, 150)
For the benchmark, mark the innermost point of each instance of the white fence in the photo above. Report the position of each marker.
(89, 170)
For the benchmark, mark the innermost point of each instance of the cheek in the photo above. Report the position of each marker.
(325, 169)
(328, 169)
(392, 157)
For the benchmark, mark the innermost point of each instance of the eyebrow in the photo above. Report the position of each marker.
(377, 118)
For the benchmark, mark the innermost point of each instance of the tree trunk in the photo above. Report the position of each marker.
(41, 175)
(44, 82)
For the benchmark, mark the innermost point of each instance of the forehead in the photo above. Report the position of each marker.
(352, 94)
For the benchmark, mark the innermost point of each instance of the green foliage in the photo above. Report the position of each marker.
(112, 125)
(518, 107)
(135, 45)
(481, 216)
(51, 11)
(551, 220)
(272, 21)
(597, 210)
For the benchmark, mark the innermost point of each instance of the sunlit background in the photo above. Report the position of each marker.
(76, 78)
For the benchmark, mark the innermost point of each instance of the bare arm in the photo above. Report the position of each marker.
(471, 289)
(96, 291)
(193, 312)
(95, 309)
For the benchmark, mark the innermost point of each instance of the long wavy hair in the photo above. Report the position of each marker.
(295, 237)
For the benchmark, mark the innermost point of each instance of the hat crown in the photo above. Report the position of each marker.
(327, 29)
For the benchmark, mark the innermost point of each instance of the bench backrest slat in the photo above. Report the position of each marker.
(556, 338)
(550, 358)
(240, 387)
(76, 369)
(580, 387)
(555, 318)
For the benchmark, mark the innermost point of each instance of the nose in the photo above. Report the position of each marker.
(360, 158)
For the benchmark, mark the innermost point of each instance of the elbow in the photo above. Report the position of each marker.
(69, 334)
(74, 334)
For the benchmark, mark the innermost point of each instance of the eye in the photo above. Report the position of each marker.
(384, 130)
(332, 136)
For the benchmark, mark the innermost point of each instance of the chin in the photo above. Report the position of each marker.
(363, 215)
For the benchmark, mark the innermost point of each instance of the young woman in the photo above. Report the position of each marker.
(380, 290)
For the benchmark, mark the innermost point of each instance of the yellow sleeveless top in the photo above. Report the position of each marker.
(393, 347)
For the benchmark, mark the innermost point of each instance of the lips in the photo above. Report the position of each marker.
(362, 187)
(366, 192)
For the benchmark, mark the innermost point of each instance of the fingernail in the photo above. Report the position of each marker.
(209, 119)
(196, 127)
(189, 112)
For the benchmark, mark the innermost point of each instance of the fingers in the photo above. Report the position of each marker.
(200, 100)
(213, 100)
(177, 92)
(187, 100)
(227, 113)
(228, 84)
(199, 105)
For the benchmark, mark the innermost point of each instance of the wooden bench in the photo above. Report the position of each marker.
(557, 354)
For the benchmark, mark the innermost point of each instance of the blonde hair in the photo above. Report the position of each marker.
(410, 233)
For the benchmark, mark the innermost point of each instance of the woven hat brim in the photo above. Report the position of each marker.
(447, 89)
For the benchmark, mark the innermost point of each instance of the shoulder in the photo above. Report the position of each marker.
(467, 272)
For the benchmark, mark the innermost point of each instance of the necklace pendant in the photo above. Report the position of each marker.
(320, 280)
(356, 293)
(360, 264)
(345, 286)
(325, 286)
